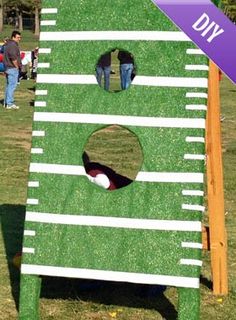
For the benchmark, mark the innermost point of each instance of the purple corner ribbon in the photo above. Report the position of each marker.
(207, 27)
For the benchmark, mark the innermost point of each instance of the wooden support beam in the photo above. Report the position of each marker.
(215, 189)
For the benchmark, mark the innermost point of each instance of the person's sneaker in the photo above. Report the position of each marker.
(13, 106)
(222, 118)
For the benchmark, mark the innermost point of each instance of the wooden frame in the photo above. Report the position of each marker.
(215, 190)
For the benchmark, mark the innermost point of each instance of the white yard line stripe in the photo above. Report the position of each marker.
(176, 177)
(33, 184)
(185, 177)
(114, 35)
(193, 193)
(30, 233)
(193, 207)
(191, 262)
(120, 120)
(113, 222)
(38, 133)
(49, 10)
(188, 282)
(48, 22)
(194, 156)
(32, 201)
(195, 139)
(43, 65)
(45, 50)
(66, 79)
(196, 107)
(196, 95)
(28, 250)
(138, 80)
(40, 104)
(170, 82)
(57, 169)
(195, 51)
(41, 92)
(195, 67)
(36, 151)
(193, 245)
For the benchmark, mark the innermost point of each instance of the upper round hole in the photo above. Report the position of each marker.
(115, 70)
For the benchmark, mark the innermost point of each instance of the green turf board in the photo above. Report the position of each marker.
(150, 231)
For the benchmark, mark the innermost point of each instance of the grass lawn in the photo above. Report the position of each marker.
(74, 299)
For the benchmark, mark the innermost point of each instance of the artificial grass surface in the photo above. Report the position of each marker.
(152, 58)
(88, 247)
(198, 73)
(104, 15)
(125, 202)
(66, 298)
(163, 148)
(158, 102)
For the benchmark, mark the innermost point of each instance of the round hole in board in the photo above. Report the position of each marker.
(112, 157)
(115, 70)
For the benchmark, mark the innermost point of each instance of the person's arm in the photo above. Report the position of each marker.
(15, 63)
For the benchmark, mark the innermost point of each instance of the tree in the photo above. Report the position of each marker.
(2, 5)
(37, 10)
(229, 8)
(21, 7)
(1, 15)
(33, 7)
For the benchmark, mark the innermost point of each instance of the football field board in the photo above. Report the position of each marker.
(150, 231)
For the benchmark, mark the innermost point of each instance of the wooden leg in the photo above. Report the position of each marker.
(30, 287)
(189, 304)
(215, 187)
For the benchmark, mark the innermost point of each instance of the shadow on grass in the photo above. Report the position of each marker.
(206, 282)
(110, 293)
(104, 292)
(12, 223)
(32, 88)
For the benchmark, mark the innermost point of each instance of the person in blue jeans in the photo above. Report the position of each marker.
(12, 64)
(104, 67)
(126, 68)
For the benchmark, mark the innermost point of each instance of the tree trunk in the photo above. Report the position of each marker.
(1, 19)
(20, 21)
(17, 19)
(36, 21)
(1, 15)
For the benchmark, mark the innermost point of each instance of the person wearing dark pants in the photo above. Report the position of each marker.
(104, 67)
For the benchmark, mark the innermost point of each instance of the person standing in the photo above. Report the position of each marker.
(12, 63)
(34, 62)
(126, 68)
(104, 67)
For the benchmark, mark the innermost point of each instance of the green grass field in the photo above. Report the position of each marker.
(63, 299)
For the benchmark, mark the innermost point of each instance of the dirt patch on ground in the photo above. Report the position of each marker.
(21, 138)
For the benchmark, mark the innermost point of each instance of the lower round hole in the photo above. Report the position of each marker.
(112, 157)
